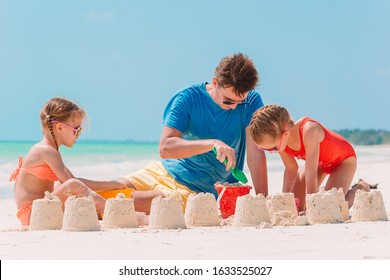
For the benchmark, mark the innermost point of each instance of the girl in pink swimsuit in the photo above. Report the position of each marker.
(61, 125)
(325, 153)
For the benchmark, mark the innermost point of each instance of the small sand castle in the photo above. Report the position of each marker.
(251, 211)
(368, 206)
(282, 209)
(80, 214)
(46, 213)
(166, 213)
(201, 210)
(323, 208)
(119, 212)
(343, 204)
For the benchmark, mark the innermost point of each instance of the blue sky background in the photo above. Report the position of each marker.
(123, 60)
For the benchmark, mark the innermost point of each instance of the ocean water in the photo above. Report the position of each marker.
(112, 160)
(91, 160)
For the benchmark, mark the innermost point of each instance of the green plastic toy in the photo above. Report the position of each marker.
(237, 173)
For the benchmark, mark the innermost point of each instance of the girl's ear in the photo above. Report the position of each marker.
(57, 127)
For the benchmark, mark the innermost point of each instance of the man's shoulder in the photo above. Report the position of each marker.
(191, 92)
(194, 88)
(255, 99)
(253, 93)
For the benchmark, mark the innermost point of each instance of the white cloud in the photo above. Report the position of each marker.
(99, 16)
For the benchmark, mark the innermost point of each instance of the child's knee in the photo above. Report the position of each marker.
(76, 187)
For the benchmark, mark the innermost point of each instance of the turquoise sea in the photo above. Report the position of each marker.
(98, 160)
(85, 149)
(104, 160)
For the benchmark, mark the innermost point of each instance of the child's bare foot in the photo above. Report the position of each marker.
(302, 213)
(374, 186)
(371, 186)
(142, 219)
(363, 185)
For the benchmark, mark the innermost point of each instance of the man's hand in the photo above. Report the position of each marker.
(225, 152)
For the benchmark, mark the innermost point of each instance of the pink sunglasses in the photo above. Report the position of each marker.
(275, 149)
(76, 131)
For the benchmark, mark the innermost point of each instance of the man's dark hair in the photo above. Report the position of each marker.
(237, 71)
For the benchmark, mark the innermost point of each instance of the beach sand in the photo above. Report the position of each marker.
(343, 241)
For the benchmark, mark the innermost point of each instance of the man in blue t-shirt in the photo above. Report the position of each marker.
(196, 120)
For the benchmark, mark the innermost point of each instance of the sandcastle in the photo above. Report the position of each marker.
(323, 208)
(46, 213)
(251, 211)
(285, 218)
(80, 214)
(166, 213)
(119, 212)
(343, 204)
(282, 209)
(368, 206)
(201, 210)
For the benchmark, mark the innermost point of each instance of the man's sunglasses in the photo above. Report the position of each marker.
(227, 102)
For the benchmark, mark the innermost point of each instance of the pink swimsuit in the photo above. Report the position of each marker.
(334, 149)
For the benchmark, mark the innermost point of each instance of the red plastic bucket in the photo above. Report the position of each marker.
(227, 197)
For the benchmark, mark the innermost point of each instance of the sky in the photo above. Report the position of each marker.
(123, 60)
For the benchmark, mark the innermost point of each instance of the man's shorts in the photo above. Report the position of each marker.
(155, 177)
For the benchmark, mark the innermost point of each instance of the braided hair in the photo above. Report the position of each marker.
(58, 109)
(269, 120)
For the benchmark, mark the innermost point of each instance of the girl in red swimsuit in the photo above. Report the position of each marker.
(325, 153)
(61, 125)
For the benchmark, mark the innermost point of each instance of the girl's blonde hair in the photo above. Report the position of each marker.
(58, 109)
(269, 120)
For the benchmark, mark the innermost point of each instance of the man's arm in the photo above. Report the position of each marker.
(172, 145)
(257, 164)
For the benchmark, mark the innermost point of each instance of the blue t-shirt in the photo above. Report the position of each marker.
(193, 112)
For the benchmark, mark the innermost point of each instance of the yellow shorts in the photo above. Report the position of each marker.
(155, 177)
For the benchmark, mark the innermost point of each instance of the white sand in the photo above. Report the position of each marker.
(201, 210)
(80, 214)
(119, 213)
(282, 209)
(166, 213)
(368, 207)
(351, 240)
(251, 211)
(323, 208)
(46, 213)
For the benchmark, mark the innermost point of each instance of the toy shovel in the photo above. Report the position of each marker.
(237, 173)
